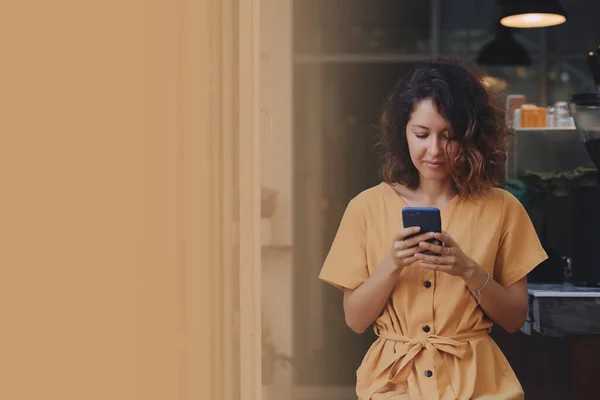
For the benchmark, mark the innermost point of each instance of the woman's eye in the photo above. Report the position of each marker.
(421, 135)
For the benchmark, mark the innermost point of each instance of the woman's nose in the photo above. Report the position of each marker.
(435, 147)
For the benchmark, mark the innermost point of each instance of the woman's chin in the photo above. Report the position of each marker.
(435, 175)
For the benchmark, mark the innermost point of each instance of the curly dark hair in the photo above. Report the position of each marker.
(474, 111)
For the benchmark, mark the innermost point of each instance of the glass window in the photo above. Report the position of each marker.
(581, 32)
(350, 100)
(357, 26)
(567, 77)
(518, 80)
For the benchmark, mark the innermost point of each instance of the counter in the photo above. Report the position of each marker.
(558, 310)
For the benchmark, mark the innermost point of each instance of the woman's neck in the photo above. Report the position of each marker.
(434, 193)
(436, 190)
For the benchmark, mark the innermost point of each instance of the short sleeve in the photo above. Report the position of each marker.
(346, 263)
(520, 250)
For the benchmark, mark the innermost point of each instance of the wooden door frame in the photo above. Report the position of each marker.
(220, 198)
(249, 184)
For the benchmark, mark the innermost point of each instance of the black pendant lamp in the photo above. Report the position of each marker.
(532, 13)
(503, 51)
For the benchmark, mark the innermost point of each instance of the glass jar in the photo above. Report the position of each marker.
(562, 114)
(550, 117)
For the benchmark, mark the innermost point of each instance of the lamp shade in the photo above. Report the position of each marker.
(503, 50)
(532, 13)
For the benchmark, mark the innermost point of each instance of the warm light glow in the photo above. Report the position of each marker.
(532, 20)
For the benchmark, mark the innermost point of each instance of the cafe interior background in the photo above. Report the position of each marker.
(326, 66)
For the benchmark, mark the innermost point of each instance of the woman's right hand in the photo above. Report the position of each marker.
(403, 249)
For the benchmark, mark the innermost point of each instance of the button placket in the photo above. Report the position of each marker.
(427, 284)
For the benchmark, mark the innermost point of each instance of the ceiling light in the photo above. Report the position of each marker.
(532, 13)
(503, 50)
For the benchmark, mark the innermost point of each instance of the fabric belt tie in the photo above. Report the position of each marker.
(399, 366)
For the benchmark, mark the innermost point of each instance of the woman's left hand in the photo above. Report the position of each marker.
(448, 258)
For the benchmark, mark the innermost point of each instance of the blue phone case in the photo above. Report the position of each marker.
(428, 218)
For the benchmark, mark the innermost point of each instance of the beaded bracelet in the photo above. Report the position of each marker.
(478, 291)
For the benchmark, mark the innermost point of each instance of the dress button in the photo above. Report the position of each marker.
(427, 284)
(428, 373)
(426, 328)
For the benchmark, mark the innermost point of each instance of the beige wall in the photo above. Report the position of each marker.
(276, 174)
(121, 186)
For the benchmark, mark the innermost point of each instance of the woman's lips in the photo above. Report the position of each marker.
(434, 164)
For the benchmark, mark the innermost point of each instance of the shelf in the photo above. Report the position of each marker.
(360, 58)
(270, 241)
(545, 129)
(391, 57)
(562, 290)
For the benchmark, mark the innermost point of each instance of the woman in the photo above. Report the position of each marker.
(444, 141)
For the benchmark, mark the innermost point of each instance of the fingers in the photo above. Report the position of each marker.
(404, 253)
(405, 232)
(405, 262)
(405, 257)
(420, 238)
(408, 261)
(435, 259)
(413, 241)
(441, 250)
(446, 239)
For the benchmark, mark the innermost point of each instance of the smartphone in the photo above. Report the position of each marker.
(428, 218)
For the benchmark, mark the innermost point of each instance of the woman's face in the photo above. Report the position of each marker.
(428, 133)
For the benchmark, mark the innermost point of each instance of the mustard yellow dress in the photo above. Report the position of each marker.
(433, 340)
